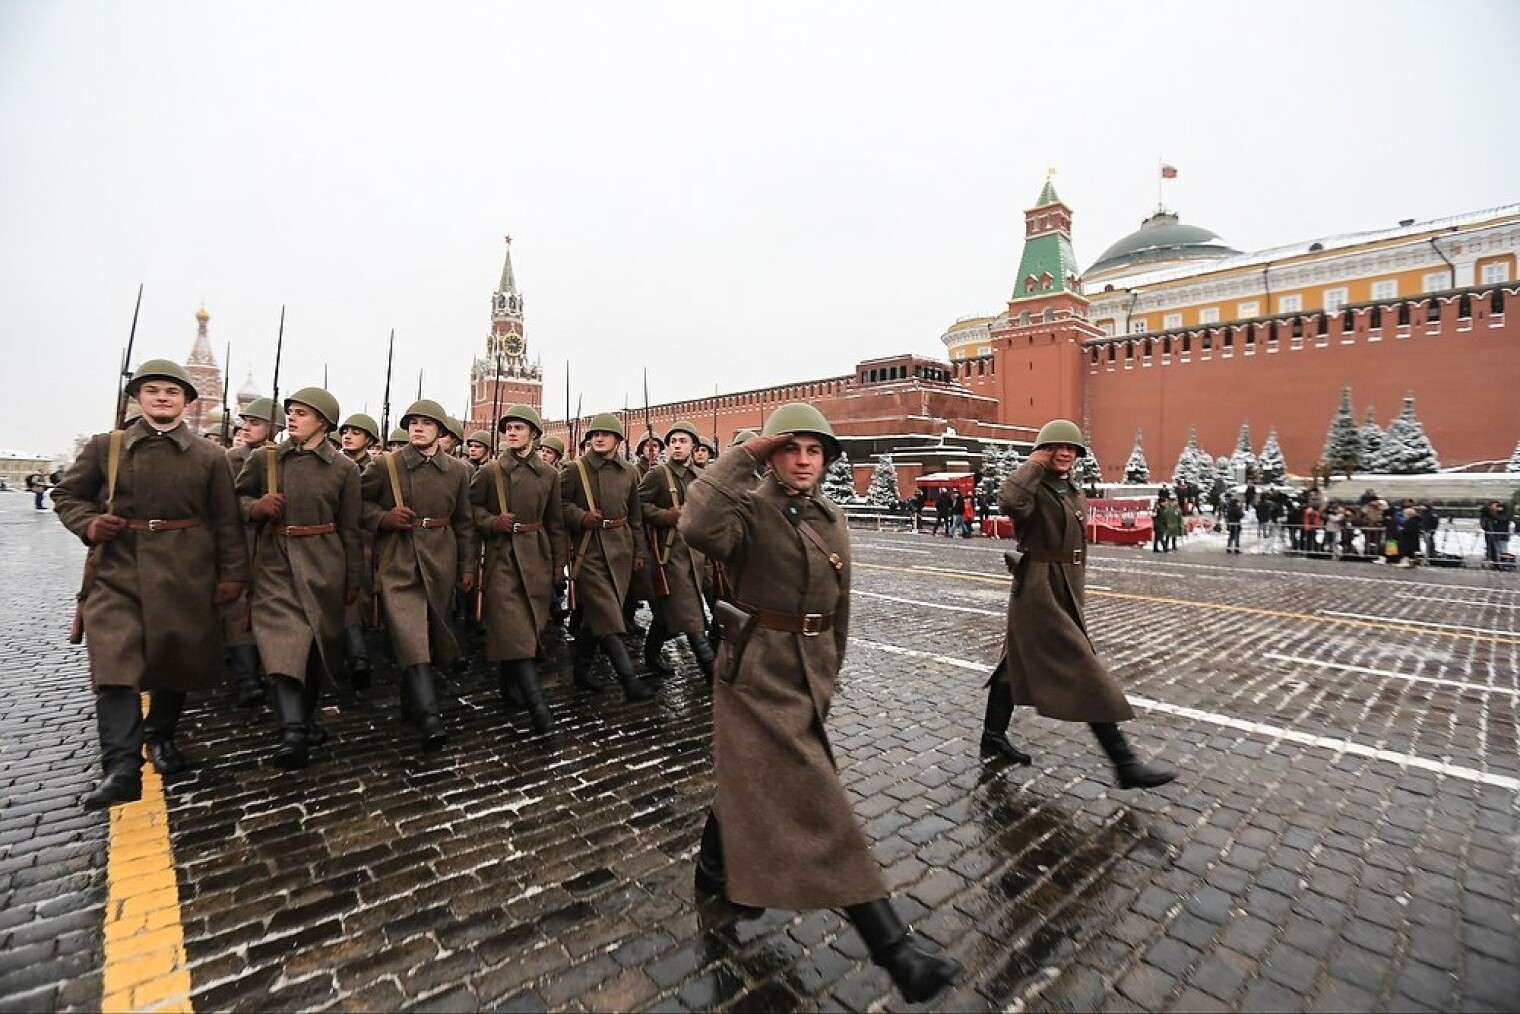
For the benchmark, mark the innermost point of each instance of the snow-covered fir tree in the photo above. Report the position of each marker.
(1514, 460)
(883, 490)
(1406, 449)
(1194, 465)
(1136, 469)
(1090, 473)
(1243, 461)
(992, 460)
(1372, 439)
(1271, 468)
(838, 481)
(1343, 443)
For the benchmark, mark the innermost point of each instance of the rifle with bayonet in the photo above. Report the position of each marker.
(271, 477)
(484, 556)
(385, 407)
(226, 383)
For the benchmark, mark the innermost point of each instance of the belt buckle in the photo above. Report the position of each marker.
(425, 523)
(812, 624)
(153, 524)
(607, 522)
(516, 527)
(1076, 557)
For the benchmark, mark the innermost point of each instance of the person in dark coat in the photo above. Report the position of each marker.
(676, 573)
(155, 504)
(1048, 658)
(360, 436)
(237, 633)
(782, 832)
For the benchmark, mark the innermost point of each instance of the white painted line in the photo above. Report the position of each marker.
(1400, 621)
(1464, 602)
(1457, 684)
(927, 605)
(890, 549)
(1275, 732)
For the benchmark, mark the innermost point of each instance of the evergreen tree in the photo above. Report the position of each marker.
(1406, 449)
(1372, 440)
(1514, 460)
(1243, 461)
(1187, 469)
(839, 480)
(1343, 443)
(992, 461)
(1136, 469)
(1271, 467)
(1090, 472)
(883, 491)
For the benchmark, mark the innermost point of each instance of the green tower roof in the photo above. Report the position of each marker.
(1048, 253)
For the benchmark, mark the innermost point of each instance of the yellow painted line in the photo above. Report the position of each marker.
(1219, 606)
(145, 965)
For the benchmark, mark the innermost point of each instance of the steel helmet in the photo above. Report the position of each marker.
(162, 369)
(683, 426)
(398, 436)
(742, 436)
(522, 413)
(428, 409)
(554, 444)
(360, 421)
(259, 408)
(455, 428)
(1061, 431)
(480, 437)
(800, 417)
(606, 422)
(324, 403)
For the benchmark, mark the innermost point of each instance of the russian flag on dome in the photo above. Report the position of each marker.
(1168, 172)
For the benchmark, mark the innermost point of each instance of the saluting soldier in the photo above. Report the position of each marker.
(243, 654)
(360, 435)
(155, 503)
(1048, 657)
(782, 833)
(675, 571)
(600, 495)
(518, 513)
(477, 449)
(308, 564)
(418, 499)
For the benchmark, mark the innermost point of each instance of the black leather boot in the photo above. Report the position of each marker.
(509, 686)
(290, 705)
(311, 698)
(654, 642)
(630, 617)
(703, 650)
(164, 707)
(525, 678)
(357, 652)
(917, 974)
(247, 688)
(118, 717)
(580, 663)
(995, 742)
(1132, 773)
(417, 688)
(617, 654)
(711, 876)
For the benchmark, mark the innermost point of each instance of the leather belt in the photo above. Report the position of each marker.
(431, 523)
(807, 624)
(614, 522)
(1072, 557)
(161, 525)
(525, 526)
(296, 531)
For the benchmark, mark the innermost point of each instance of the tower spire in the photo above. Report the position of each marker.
(508, 282)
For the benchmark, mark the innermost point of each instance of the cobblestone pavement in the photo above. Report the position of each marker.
(1343, 835)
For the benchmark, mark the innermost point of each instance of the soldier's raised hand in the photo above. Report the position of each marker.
(761, 448)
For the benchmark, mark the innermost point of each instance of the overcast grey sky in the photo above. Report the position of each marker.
(730, 195)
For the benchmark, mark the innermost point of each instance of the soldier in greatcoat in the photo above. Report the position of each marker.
(360, 436)
(519, 516)
(782, 833)
(307, 566)
(242, 653)
(155, 503)
(477, 449)
(600, 495)
(1048, 658)
(418, 501)
(676, 573)
(551, 451)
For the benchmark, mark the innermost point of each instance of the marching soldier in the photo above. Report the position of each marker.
(396, 440)
(477, 449)
(702, 456)
(360, 435)
(551, 451)
(517, 509)
(647, 454)
(418, 500)
(156, 504)
(453, 436)
(308, 564)
(675, 571)
(782, 833)
(600, 494)
(257, 430)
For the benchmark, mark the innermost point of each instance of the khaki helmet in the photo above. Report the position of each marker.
(162, 369)
(360, 421)
(683, 426)
(455, 428)
(1061, 431)
(522, 413)
(259, 408)
(480, 437)
(800, 417)
(606, 422)
(554, 444)
(742, 436)
(325, 404)
(398, 436)
(428, 409)
(710, 446)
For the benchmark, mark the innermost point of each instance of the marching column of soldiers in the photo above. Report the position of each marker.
(281, 553)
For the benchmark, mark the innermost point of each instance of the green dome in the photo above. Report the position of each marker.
(1161, 239)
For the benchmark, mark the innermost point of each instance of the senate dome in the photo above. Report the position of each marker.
(1162, 240)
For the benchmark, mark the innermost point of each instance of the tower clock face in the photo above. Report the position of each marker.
(514, 345)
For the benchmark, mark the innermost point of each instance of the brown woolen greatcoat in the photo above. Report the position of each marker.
(603, 578)
(1048, 658)
(521, 568)
(418, 569)
(681, 611)
(150, 620)
(790, 837)
(299, 582)
(358, 613)
(235, 630)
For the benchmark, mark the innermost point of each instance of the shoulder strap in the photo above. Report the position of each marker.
(390, 466)
(585, 543)
(813, 537)
(586, 485)
(272, 469)
(499, 475)
(113, 465)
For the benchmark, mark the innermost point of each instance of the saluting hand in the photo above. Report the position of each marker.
(227, 592)
(761, 448)
(104, 528)
(268, 507)
(502, 524)
(591, 519)
(1045, 457)
(397, 519)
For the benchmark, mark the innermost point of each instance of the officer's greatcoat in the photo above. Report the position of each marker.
(299, 582)
(150, 619)
(1048, 658)
(417, 569)
(790, 837)
(521, 568)
(665, 486)
(602, 569)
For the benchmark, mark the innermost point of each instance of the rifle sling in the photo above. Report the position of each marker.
(580, 551)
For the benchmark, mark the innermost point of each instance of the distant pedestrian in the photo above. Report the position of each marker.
(1234, 514)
